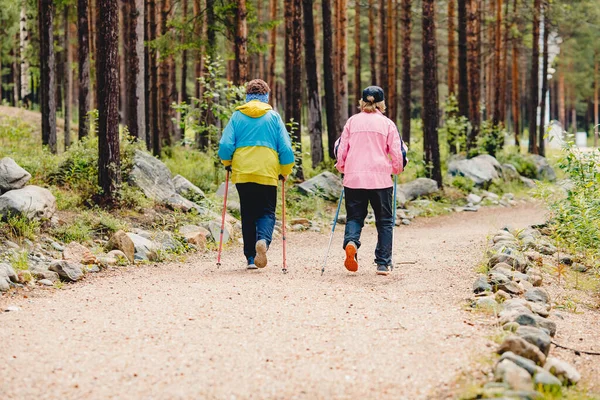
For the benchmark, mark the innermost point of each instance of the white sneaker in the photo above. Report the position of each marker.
(261, 254)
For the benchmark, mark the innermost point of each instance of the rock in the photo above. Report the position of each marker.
(510, 172)
(119, 256)
(516, 377)
(67, 271)
(165, 241)
(481, 285)
(515, 261)
(107, 261)
(39, 272)
(540, 309)
(566, 259)
(301, 221)
(496, 278)
(530, 183)
(535, 279)
(11, 245)
(564, 371)
(187, 189)
(92, 268)
(326, 185)
(482, 169)
(525, 363)
(546, 248)
(154, 179)
(298, 228)
(535, 336)
(546, 382)
(232, 193)
(526, 285)
(502, 296)
(470, 208)
(57, 246)
(12, 176)
(487, 303)
(45, 282)
(215, 230)
(145, 249)
(474, 199)
(544, 170)
(33, 202)
(511, 287)
(490, 196)
(78, 253)
(24, 277)
(494, 390)
(538, 295)
(536, 321)
(7, 277)
(195, 235)
(405, 221)
(342, 219)
(120, 241)
(577, 267)
(412, 190)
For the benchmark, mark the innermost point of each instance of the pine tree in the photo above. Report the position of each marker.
(533, 80)
(332, 128)
(83, 56)
(463, 72)
(134, 61)
(406, 25)
(451, 47)
(47, 73)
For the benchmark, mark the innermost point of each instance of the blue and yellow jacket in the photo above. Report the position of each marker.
(256, 145)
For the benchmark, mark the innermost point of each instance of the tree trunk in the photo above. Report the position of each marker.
(84, 67)
(154, 104)
(463, 73)
(504, 65)
(498, 65)
(372, 46)
(68, 77)
(357, 55)
(198, 61)
(406, 26)
(183, 95)
(596, 122)
(534, 78)
(391, 50)
(330, 98)
(47, 69)
(273, 39)
(24, 62)
(109, 162)
(383, 47)
(451, 47)
(515, 78)
(17, 71)
(92, 20)
(474, 70)
(134, 98)
(315, 125)
(430, 95)
(542, 128)
(165, 77)
(343, 62)
(562, 110)
(240, 72)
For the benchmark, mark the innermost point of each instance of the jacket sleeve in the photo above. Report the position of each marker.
(284, 149)
(342, 147)
(227, 142)
(395, 149)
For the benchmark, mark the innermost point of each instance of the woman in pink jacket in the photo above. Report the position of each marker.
(368, 153)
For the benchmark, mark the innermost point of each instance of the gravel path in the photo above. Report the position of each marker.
(189, 330)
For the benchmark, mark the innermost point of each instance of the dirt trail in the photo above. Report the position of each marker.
(190, 330)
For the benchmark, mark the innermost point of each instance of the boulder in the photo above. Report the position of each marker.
(543, 170)
(515, 261)
(412, 190)
(78, 253)
(145, 249)
(481, 285)
(7, 277)
(522, 362)
(166, 242)
(511, 287)
(510, 373)
(536, 336)
(40, 272)
(538, 295)
(474, 199)
(32, 201)
(154, 179)
(326, 185)
(121, 241)
(195, 235)
(214, 227)
(482, 169)
(66, 270)
(119, 256)
(545, 382)
(12, 176)
(564, 371)
(523, 348)
(510, 172)
(187, 189)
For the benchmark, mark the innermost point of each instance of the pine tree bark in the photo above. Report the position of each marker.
(498, 65)
(463, 71)
(451, 47)
(357, 52)
(166, 70)
(330, 97)
(406, 27)
(240, 71)
(134, 89)
(154, 104)
(430, 95)
(198, 60)
(343, 62)
(391, 50)
(315, 124)
(516, 107)
(183, 94)
(109, 162)
(372, 46)
(92, 26)
(562, 113)
(534, 79)
(596, 122)
(84, 66)
(273, 55)
(474, 71)
(383, 47)
(47, 74)
(68, 77)
(542, 127)
(504, 64)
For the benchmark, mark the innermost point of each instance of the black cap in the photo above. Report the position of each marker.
(374, 91)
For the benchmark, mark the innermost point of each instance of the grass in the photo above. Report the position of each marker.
(88, 224)
(18, 227)
(20, 261)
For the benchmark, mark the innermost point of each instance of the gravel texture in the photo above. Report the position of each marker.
(192, 330)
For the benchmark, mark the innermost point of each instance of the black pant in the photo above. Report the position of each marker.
(357, 201)
(258, 204)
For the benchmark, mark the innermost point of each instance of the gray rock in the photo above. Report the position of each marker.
(40, 272)
(12, 176)
(67, 271)
(577, 267)
(547, 382)
(326, 185)
(342, 219)
(536, 336)
(474, 199)
(57, 246)
(7, 277)
(546, 248)
(187, 189)
(412, 190)
(530, 183)
(511, 327)
(566, 259)
(517, 262)
(538, 295)
(564, 371)
(512, 374)
(510, 172)
(232, 193)
(482, 169)
(522, 348)
(45, 282)
(405, 221)
(33, 202)
(166, 241)
(544, 170)
(496, 278)
(537, 322)
(540, 309)
(11, 245)
(481, 285)
(145, 249)
(525, 363)
(470, 208)
(154, 179)
(487, 303)
(511, 287)
(215, 230)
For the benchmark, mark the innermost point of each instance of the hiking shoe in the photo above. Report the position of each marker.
(383, 269)
(261, 254)
(351, 262)
(251, 264)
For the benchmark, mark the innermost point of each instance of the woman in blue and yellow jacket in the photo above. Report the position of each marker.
(256, 147)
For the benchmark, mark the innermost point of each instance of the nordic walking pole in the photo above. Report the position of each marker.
(394, 217)
(284, 270)
(337, 213)
(223, 218)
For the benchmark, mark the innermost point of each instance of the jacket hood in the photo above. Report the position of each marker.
(254, 109)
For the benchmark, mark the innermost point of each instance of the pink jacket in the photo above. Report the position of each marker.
(369, 151)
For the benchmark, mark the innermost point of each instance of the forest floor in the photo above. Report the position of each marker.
(191, 330)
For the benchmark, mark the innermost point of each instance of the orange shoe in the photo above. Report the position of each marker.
(351, 262)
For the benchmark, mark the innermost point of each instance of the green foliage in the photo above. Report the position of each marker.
(523, 163)
(197, 167)
(464, 184)
(456, 127)
(19, 226)
(490, 139)
(19, 260)
(87, 225)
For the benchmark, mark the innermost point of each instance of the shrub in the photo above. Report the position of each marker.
(456, 127)
(19, 260)
(523, 163)
(464, 184)
(18, 226)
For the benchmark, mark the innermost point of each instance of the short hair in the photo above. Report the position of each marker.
(257, 86)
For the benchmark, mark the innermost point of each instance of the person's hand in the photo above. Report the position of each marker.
(282, 178)
(228, 168)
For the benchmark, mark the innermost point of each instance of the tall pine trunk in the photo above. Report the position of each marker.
(534, 79)
(165, 80)
(498, 65)
(154, 104)
(198, 56)
(504, 64)
(463, 71)
(372, 46)
(596, 122)
(406, 27)
(474, 71)
(330, 98)
(68, 77)
(342, 46)
(542, 127)
(273, 54)
(134, 73)
(315, 124)
(240, 72)
(430, 95)
(383, 46)
(107, 68)
(83, 50)
(357, 52)
(391, 50)
(183, 94)
(47, 74)
(451, 47)
(516, 107)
